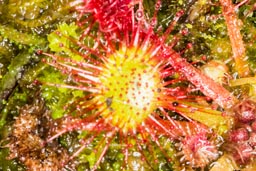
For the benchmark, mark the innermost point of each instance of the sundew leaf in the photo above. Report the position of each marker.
(212, 118)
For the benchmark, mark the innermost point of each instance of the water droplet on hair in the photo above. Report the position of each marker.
(139, 15)
(158, 5)
(153, 22)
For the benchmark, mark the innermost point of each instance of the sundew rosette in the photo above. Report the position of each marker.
(132, 79)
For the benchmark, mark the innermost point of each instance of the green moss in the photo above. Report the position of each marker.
(56, 98)
(65, 40)
(61, 37)
(6, 165)
(221, 49)
(32, 14)
(21, 39)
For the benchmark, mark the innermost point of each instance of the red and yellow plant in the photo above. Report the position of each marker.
(135, 84)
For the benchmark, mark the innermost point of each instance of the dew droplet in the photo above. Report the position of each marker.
(39, 52)
(139, 15)
(180, 13)
(153, 22)
(158, 5)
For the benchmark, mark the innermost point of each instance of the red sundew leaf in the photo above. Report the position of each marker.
(128, 89)
(206, 85)
(236, 39)
(110, 14)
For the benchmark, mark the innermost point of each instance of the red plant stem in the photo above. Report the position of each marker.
(236, 39)
(206, 85)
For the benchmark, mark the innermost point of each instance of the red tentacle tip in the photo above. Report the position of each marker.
(36, 82)
(39, 52)
(180, 13)
(184, 32)
(189, 45)
(44, 143)
(43, 60)
(58, 33)
(204, 58)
